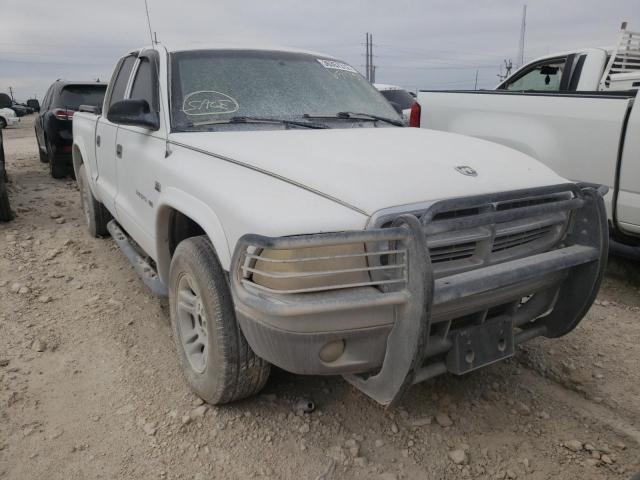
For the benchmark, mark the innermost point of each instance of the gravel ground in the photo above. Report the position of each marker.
(90, 386)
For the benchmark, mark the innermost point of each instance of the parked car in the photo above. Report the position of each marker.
(20, 110)
(305, 227)
(27, 108)
(400, 98)
(7, 102)
(5, 209)
(34, 104)
(583, 70)
(8, 118)
(53, 126)
(584, 122)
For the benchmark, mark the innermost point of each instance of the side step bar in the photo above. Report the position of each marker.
(148, 275)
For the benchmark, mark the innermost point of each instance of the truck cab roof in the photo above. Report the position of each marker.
(231, 46)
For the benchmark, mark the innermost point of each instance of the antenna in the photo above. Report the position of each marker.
(146, 7)
(522, 32)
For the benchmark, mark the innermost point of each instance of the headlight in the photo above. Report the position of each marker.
(311, 269)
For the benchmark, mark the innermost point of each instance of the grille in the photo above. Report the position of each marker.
(505, 242)
(463, 234)
(453, 252)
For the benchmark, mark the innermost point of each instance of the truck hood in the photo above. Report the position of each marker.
(373, 168)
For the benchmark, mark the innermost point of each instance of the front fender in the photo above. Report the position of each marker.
(199, 212)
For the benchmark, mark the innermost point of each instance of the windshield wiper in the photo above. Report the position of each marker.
(244, 119)
(358, 116)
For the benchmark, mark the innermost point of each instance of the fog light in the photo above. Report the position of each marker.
(332, 351)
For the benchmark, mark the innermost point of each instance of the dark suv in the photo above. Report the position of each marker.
(53, 124)
(34, 104)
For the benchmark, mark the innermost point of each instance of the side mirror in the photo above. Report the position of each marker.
(134, 112)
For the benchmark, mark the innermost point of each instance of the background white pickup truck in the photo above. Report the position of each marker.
(577, 112)
(293, 220)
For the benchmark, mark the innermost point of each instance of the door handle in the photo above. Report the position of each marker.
(98, 140)
(119, 150)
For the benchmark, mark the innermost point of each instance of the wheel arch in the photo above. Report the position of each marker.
(77, 158)
(181, 216)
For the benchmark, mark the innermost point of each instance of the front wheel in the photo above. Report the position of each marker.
(216, 359)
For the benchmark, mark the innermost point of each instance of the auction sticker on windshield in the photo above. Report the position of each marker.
(336, 65)
(208, 102)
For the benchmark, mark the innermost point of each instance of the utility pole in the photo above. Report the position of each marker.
(11, 92)
(476, 84)
(367, 70)
(523, 28)
(372, 67)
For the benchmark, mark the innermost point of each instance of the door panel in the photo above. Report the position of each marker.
(136, 200)
(141, 151)
(106, 133)
(107, 179)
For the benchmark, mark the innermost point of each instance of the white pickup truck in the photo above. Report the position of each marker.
(578, 112)
(293, 220)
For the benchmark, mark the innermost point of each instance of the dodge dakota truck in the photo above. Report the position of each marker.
(279, 201)
(577, 112)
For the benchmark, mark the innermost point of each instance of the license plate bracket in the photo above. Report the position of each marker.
(480, 345)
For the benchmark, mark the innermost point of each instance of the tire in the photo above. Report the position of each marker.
(56, 168)
(220, 366)
(5, 209)
(95, 214)
(43, 155)
(3, 123)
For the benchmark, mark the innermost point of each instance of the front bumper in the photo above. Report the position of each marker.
(385, 335)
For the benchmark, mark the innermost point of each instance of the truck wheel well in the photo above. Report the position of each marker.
(181, 227)
(77, 158)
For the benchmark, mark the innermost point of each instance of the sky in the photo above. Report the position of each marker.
(430, 44)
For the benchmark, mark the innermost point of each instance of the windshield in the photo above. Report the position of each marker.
(209, 87)
(72, 96)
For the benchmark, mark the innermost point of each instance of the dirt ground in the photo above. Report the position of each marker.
(90, 386)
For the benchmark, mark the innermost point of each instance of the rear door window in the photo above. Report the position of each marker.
(72, 96)
(121, 80)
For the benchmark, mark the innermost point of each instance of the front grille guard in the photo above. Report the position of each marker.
(581, 255)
